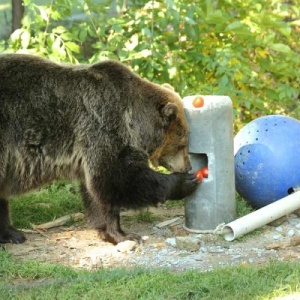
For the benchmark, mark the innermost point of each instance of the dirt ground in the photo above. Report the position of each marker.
(79, 247)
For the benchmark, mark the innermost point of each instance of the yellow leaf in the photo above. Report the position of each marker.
(262, 53)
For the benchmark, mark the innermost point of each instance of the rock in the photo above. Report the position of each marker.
(291, 232)
(216, 249)
(165, 252)
(126, 246)
(203, 249)
(171, 241)
(293, 221)
(279, 229)
(187, 243)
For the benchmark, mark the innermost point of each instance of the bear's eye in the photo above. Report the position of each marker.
(181, 147)
(183, 141)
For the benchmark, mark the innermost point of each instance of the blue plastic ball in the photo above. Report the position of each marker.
(267, 159)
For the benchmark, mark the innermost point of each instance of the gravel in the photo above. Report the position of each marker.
(166, 247)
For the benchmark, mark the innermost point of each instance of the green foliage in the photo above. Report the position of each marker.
(145, 216)
(46, 204)
(242, 207)
(248, 49)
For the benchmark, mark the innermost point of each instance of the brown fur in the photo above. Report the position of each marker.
(99, 124)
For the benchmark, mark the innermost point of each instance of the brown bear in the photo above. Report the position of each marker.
(99, 124)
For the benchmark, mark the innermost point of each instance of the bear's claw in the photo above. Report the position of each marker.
(12, 235)
(118, 237)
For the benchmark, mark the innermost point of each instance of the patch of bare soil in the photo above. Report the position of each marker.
(79, 247)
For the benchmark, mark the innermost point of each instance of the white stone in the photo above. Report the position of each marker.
(126, 246)
(171, 241)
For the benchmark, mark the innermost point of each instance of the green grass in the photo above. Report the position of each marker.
(62, 198)
(174, 203)
(33, 280)
(145, 216)
(46, 204)
(242, 207)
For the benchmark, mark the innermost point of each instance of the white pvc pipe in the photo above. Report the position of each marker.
(261, 216)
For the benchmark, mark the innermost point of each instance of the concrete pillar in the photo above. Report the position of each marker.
(211, 145)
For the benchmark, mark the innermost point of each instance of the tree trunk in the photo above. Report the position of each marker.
(17, 14)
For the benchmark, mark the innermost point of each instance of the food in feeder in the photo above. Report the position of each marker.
(199, 175)
(198, 102)
(204, 172)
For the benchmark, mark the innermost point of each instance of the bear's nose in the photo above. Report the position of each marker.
(186, 169)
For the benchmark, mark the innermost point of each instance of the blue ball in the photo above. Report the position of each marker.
(267, 159)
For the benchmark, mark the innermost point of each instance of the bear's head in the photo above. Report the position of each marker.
(173, 151)
(153, 115)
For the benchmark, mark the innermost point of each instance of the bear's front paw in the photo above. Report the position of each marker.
(190, 184)
(12, 235)
(183, 185)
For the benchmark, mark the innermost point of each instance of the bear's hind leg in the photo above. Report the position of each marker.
(8, 234)
(111, 231)
(105, 218)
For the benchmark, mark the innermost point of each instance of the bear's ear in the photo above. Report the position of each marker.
(170, 111)
(168, 86)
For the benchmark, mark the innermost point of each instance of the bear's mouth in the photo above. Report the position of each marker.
(169, 168)
(175, 165)
(166, 165)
